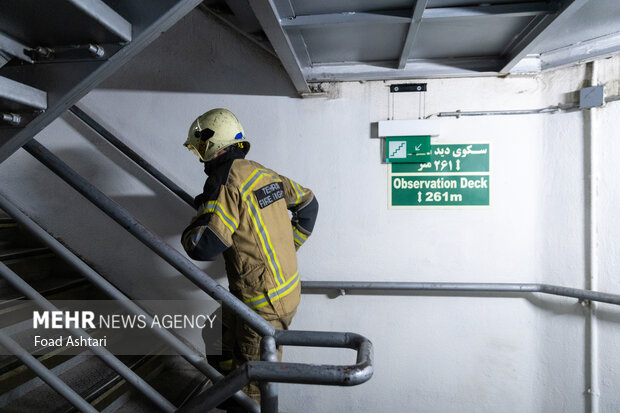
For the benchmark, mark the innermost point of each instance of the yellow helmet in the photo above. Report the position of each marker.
(213, 131)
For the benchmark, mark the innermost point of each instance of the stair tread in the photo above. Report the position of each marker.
(45, 286)
(17, 253)
(6, 221)
(80, 373)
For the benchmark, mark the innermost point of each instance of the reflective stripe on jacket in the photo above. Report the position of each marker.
(248, 219)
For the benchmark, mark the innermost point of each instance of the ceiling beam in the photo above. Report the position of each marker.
(14, 48)
(530, 40)
(416, 21)
(404, 16)
(497, 10)
(269, 19)
(329, 19)
(583, 51)
(415, 69)
(105, 15)
(232, 23)
(22, 94)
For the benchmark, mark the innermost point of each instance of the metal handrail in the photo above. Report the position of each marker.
(321, 374)
(516, 288)
(294, 372)
(189, 354)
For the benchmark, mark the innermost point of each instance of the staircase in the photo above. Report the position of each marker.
(22, 391)
(53, 52)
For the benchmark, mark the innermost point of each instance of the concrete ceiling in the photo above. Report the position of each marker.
(350, 40)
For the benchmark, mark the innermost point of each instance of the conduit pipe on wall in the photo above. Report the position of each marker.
(592, 253)
(551, 109)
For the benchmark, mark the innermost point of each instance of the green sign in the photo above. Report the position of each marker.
(456, 175)
(408, 149)
(451, 158)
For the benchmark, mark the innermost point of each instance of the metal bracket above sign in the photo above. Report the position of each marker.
(408, 87)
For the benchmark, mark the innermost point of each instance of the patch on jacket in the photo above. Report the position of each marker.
(269, 194)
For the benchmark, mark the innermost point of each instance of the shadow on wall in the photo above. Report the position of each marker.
(123, 259)
(201, 55)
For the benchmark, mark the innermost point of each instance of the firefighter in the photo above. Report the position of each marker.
(243, 212)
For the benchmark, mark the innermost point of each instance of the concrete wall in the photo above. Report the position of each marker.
(445, 353)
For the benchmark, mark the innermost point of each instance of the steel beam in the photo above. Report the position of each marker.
(330, 19)
(100, 73)
(269, 19)
(530, 40)
(416, 21)
(260, 42)
(405, 16)
(583, 51)
(22, 94)
(105, 15)
(14, 48)
(497, 10)
(300, 47)
(415, 69)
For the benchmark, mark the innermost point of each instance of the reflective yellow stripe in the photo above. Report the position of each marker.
(221, 208)
(259, 225)
(253, 179)
(298, 187)
(226, 364)
(279, 277)
(297, 192)
(275, 293)
(247, 181)
(299, 236)
(216, 207)
(265, 239)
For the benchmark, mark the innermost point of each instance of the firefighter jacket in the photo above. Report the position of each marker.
(244, 213)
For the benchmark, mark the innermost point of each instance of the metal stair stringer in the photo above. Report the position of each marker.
(67, 81)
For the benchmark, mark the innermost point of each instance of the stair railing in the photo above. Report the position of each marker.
(267, 371)
(190, 354)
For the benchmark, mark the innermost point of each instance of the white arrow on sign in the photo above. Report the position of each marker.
(417, 148)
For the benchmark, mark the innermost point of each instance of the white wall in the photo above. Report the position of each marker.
(444, 353)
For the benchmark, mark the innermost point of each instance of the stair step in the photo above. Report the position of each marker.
(11, 256)
(7, 222)
(10, 237)
(102, 391)
(172, 376)
(14, 237)
(40, 266)
(47, 287)
(83, 373)
(74, 22)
